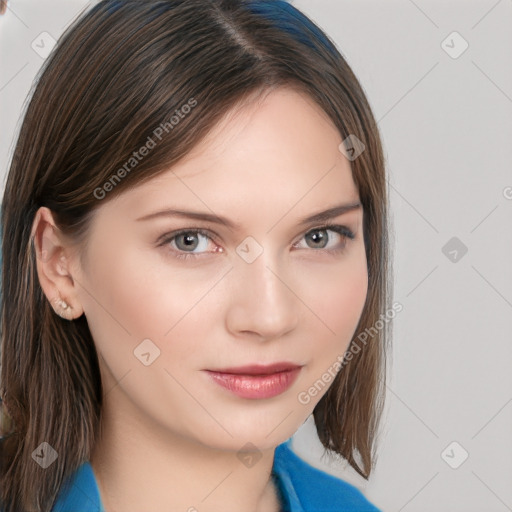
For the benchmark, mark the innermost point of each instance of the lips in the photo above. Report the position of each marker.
(257, 381)
(259, 369)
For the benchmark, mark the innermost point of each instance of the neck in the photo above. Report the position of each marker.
(145, 467)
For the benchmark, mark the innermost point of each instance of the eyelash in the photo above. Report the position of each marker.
(345, 233)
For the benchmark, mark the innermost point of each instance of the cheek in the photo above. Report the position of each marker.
(137, 297)
(337, 296)
(348, 296)
(132, 300)
(338, 307)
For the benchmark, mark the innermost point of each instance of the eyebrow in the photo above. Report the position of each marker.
(324, 215)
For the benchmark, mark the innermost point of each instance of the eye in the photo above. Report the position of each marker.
(189, 243)
(321, 237)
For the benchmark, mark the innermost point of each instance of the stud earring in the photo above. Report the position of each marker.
(62, 308)
(64, 305)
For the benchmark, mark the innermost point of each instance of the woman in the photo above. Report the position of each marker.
(194, 233)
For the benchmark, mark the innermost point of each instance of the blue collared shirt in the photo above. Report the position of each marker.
(302, 488)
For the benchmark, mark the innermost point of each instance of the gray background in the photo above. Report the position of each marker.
(447, 125)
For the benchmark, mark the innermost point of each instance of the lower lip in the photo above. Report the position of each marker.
(256, 386)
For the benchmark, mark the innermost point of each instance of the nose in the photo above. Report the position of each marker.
(263, 304)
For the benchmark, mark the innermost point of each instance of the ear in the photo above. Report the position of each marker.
(55, 258)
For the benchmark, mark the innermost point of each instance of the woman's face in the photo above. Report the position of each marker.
(261, 287)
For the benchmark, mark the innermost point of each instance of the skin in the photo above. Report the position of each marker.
(170, 435)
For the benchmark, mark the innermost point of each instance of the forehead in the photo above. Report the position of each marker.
(269, 153)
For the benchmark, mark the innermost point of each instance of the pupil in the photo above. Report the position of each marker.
(189, 240)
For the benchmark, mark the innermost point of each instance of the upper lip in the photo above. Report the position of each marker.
(259, 369)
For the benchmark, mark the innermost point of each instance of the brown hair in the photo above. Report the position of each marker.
(120, 71)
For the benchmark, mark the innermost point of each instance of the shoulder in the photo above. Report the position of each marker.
(79, 493)
(309, 489)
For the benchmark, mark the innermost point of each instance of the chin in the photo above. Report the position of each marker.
(265, 431)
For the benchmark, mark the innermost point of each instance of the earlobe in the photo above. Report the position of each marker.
(52, 261)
